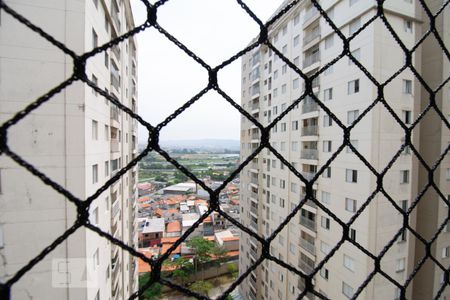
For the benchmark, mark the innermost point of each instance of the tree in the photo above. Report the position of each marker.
(202, 249)
(202, 287)
(154, 291)
(233, 270)
(220, 254)
(183, 269)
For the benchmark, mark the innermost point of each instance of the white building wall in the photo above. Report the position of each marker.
(58, 140)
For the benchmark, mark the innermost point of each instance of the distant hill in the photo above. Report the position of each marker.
(208, 144)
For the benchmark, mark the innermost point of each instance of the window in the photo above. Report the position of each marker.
(95, 3)
(282, 185)
(283, 69)
(95, 259)
(283, 89)
(326, 197)
(95, 81)
(351, 2)
(445, 252)
(295, 83)
(325, 222)
(325, 248)
(327, 173)
(329, 41)
(352, 115)
(352, 234)
(94, 38)
(349, 263)
(294, 187)
(275, 39)
(297, 61)
(350, 205)
(2, 243)
(353, 87)
(407, 86)
(294, 125)
(408, 26)
(404, 176)
(406, 115)
(328, 71)
(106, 59)
(324, 273)
(354, 143)
(328, 94)
(351, 175)
(284, 49)
(283, 126)
(292, 248)
(327, 121)
(97, 296)
(275, 74)
(281, 238)
(356, 54)
(95, 173)
(296, 40)
(294, 146)
(94, 130)
(296, 19)
(94, 216)
(347, 290)
(327, 146)
(448, 174)
(400, 265)
(284, 30)
(275, 110)
(283, 146)
(354, 26)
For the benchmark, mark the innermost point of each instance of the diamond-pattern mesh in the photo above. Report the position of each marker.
(79, 74)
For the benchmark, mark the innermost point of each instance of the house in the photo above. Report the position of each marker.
(227, 239)
(150, 231)
(173, 229)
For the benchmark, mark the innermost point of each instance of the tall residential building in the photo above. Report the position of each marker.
(79, 140)
(307, 137)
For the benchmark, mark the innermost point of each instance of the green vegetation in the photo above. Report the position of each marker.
(202, 287)
(154, 291)
(217, 166)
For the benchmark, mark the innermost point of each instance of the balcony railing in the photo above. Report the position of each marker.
(311, 59)
(116, 50)
(254, 210)
(310, 13)
(308, 246)
(308, 202)
(308, 223)
(254, 180)
(309, 154)
(115, 145)
(254, 225)
(114, 113)
(308, 175)
(309, 107)
(309, 130)
(305, 266)
(255, 136)
(311, 35)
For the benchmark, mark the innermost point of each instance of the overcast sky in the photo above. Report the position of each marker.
(214, 30)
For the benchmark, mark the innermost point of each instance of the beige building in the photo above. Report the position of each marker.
(307, 137)
(79, 140)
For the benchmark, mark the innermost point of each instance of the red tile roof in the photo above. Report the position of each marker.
(174, 226)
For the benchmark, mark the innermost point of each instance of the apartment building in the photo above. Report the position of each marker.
(308, 137)
(79, 140)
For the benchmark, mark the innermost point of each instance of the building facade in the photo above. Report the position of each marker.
(308, 137)
(79, 139)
